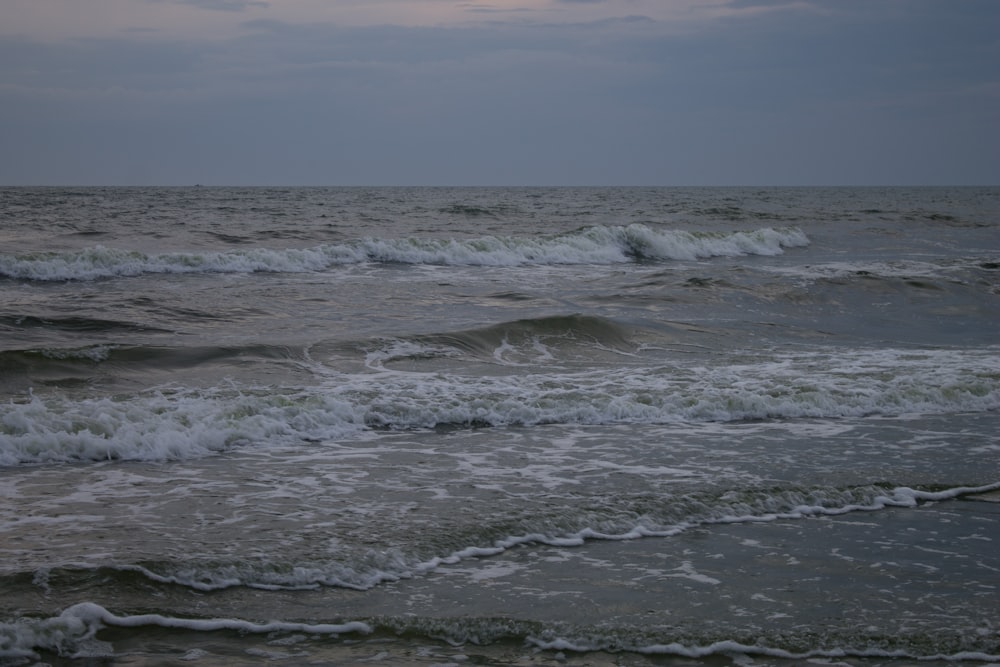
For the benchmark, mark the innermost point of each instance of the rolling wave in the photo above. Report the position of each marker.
(139, 356)
(591, 245)
(529, 341)
(671, 515)
(105, 364)
(668, 515)
(73, 324)
(183, 423)
(555, 339)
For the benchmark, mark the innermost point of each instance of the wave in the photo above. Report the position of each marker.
(591, 245)
(74, 324)
(75, 631)
(176, 423)
(916, 273)
(34, 358)
(75, 634)
(518, 343)
(363, 568)
(79, 624)
(108, 365)
(140, 356)
(668, 516)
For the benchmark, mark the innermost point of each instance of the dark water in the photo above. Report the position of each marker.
(499, 426)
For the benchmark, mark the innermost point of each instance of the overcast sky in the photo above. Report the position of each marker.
(499, 92)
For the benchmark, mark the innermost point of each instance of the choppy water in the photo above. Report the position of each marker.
(499, 425)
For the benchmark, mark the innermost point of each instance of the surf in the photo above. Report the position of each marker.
(589, 245)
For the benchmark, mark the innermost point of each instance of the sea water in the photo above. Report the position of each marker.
(501, 426)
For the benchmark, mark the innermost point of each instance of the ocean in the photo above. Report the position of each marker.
(499, 426)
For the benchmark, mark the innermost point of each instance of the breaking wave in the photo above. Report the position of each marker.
(184, 423)
(591, 245)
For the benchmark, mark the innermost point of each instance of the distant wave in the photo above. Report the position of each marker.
(590, 245)
(177, 424)
(916, 273)
(73, 324)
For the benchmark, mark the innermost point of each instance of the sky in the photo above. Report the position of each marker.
(500, 92)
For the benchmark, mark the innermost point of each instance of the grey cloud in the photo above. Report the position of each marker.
(493, 9)
(219, 5)
(782, 97)
(752, 4)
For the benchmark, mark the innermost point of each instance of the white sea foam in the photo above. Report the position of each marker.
(400, 349)
(95, 353)
(161, 425)
(731, 648)
(593, 245)
(190, 423)
(70, 633)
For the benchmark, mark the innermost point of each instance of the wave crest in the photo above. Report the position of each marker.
(191, 423)
(590, 245)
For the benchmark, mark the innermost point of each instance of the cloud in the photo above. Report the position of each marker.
(493, 9)
(751, 4)
(219, 5)
(867, 93)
